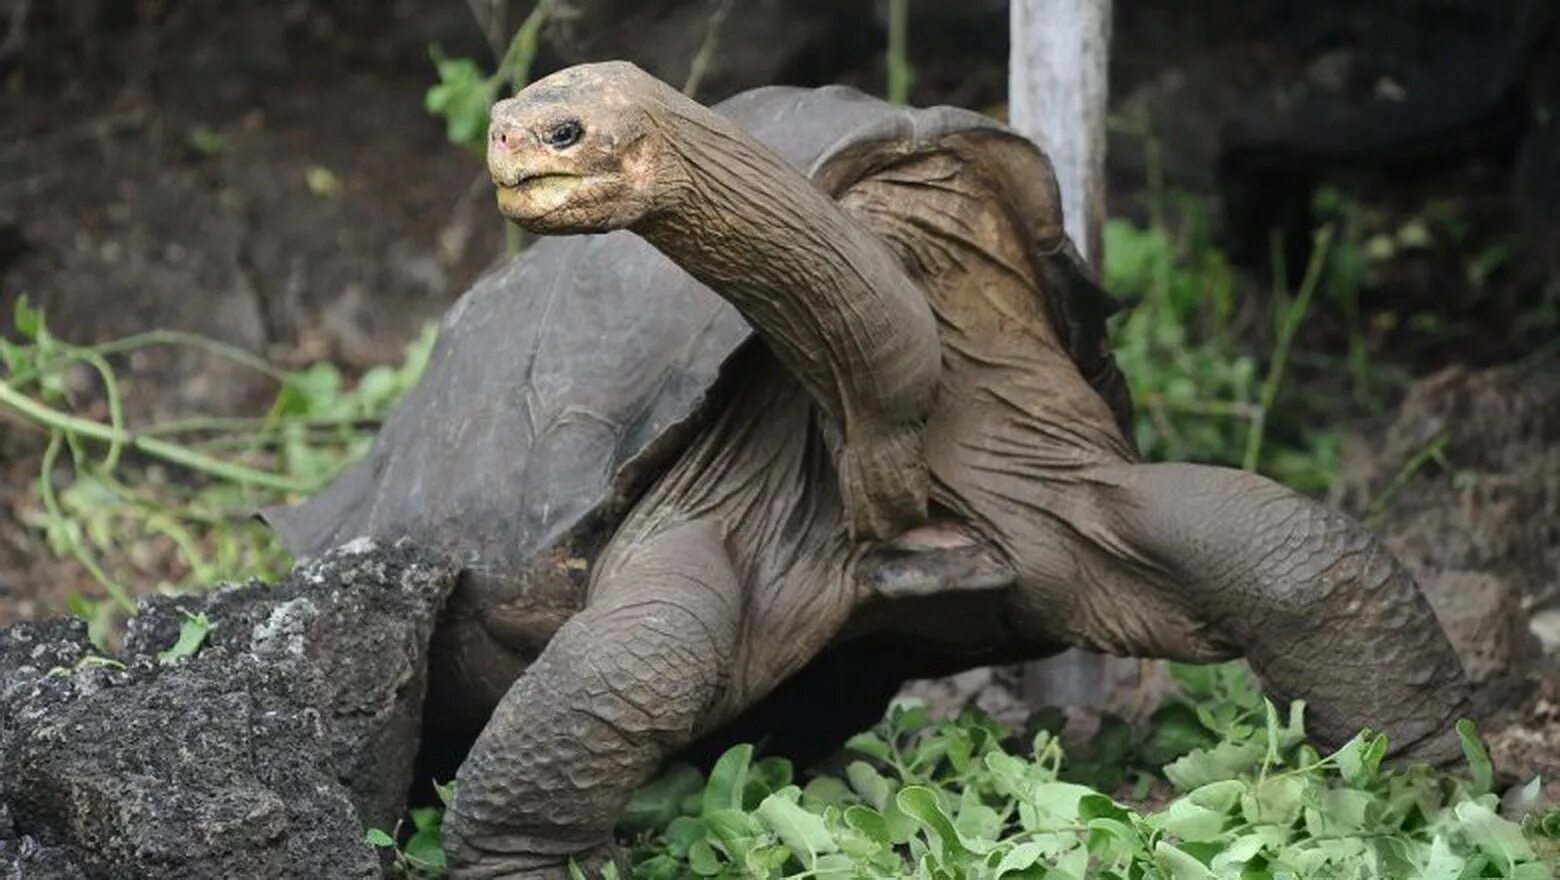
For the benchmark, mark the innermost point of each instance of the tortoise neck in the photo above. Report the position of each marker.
(828, 298)
(758, 233)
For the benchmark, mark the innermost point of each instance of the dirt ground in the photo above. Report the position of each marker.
(265, 174)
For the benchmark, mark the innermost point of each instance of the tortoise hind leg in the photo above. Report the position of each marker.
(624, 683)
(1196, 563)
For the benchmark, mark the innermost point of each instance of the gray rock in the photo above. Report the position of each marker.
(267, 753)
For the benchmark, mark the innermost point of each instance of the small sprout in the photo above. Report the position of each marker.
(206, 140)
(322, 181)
(378, 839)
(1478, 757)
(192, 633)
(91, 661)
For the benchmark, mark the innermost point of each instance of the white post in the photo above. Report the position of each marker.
(1058, 61)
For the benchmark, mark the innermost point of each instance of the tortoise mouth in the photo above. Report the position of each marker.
(533, 196)
(542, 178)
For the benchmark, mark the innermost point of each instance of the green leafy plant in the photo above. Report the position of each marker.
(464, 94)
(1226, 787)
(901, 76)
(192, 634)
(1200, 393)
(422, 856)
(119, 499)
(956, 799)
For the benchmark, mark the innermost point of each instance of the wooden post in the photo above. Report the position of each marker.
(1058, 61)
(1058, 64)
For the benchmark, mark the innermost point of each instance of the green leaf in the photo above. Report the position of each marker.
(1282, 737)
(728, 779)
(1098, 806)
(1276, 800)
(869, 744)
(424, 848)
(762, 861)
(1219, 796)
(28, 320)
(192, 632)
(1102, 762)
(1359, 759)
(921, 804)
(322, 181)
(702, 859)
(683, 832)
(1478, 758)
(765, 777)
(1176, 731)
(206, 140)
(1499, 838)
(426, 818)
(1059, 800)
(737, 832)
(1019, 858)
(869, 783)
(657, 867)
(870, 823)
(1339, 812)
(1226, 760)
(804, 833)
(1191, 821)
(1237, 854)
(1177, 864)
(827, 790)
(1442, 864)
(660, 801)
(463, 97)
(378, 838)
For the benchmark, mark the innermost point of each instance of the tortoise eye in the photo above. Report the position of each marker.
(564, 134)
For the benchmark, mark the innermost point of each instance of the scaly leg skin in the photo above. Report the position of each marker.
(623, 684)
(1234, 563)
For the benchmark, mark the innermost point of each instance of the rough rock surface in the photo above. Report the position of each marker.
(265, 754)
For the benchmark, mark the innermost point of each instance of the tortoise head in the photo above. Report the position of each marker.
(581, 150)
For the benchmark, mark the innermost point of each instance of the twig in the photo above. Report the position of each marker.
(224, 350)
(516, 63)
(706, 53)
(248, 425)
(149, 445)
(900, 75)
(1294, 315)
(51, 505)
(1435, 450)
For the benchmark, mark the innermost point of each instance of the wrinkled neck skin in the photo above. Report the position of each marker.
(830, 300)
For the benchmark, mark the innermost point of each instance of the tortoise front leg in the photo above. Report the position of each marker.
(624, 683)
(1200, 563)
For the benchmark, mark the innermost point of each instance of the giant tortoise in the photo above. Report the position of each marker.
(920, 447)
